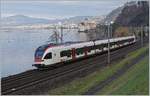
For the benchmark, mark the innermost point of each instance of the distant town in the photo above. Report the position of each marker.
(81, 22)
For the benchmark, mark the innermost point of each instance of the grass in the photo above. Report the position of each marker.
(133, 82)
(81, 85)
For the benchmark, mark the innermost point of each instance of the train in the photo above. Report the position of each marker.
(50, 54)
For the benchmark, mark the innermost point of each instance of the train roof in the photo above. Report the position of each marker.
(44, 47)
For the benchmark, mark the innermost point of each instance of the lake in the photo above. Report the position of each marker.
(17, 47)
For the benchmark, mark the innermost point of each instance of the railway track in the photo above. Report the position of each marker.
(11, 86)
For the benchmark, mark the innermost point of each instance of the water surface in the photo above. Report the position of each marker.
(17, 47)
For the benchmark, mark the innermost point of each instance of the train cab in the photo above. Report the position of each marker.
(40, 57)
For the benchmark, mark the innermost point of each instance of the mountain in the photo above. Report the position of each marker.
(21, 20)
(135, 13)
(113, 15)
(25, 20)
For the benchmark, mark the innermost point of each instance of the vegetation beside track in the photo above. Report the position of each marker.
(134, 82)
(81, 85)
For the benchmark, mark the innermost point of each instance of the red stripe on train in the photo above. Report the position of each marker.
(37, 60)
(73, 53)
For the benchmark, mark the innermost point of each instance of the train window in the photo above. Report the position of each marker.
(98, 46)
(89, 48)
(39, 54)
(68, 53)
(104, 45)
(112, 43)
(65, 53)
(48, 56)
(40, 51)
(80, 51)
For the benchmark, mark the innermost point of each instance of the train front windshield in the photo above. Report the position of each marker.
(40, 51)
(39, 54)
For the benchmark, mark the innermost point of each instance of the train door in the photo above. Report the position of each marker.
(48, 59)
(85, 50)
(56, 56)
(73, 53)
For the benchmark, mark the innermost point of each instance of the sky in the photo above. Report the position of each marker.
(58, 9)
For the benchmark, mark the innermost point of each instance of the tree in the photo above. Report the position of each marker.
(121, 31)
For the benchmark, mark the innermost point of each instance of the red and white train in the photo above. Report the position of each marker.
(50, 54)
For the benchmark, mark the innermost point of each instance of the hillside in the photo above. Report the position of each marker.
(134, 13)
(113, 15)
